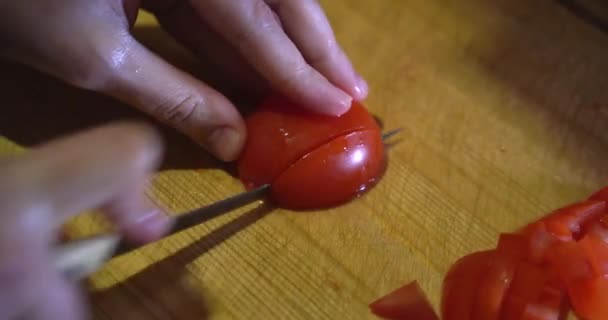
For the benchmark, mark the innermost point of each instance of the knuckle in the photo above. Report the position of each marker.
(260, 19)
(180, 110)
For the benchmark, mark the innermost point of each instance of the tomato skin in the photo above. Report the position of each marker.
(405, 303)
(332, 174)
(540, 240)
(461, 284)
(568, 259)
(279, 132)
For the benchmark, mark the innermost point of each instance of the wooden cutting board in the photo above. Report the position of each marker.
(504, 106)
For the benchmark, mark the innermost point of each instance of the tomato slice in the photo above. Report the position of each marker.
(332, 174)
(406, 303)
(528, 284)
(550, 305)
(461, 284)
(494, 283)
(279, 132)
(589, 298)
(597, 227)
(566, 223)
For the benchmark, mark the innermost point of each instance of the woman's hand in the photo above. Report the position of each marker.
(104, 168)
(288, 44)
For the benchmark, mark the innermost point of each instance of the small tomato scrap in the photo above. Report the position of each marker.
(407, 302)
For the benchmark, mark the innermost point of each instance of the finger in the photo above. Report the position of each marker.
(253, 29)
(56, 299)
(138, 219)
(172, 96)
(306, 24)
(80, 172)
(181, 19)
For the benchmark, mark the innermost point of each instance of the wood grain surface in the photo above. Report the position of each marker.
(504, 106)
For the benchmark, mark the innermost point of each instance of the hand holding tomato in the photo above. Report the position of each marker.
(288, 45)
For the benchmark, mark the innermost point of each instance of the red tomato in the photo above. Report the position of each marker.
(405, 303)
(528, 284)
(597, 227)
(310, 160)
(589, 298)
(461, 284)
(331, 174)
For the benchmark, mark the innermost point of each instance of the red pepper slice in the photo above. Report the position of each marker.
(405, 303)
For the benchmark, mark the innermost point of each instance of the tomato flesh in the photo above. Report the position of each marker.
(590, 298)
(407, 302)
(528, 284)
(312, 161)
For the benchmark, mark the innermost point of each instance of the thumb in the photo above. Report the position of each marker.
(174, 97)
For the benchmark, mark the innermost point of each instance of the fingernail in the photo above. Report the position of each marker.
(149, 226)
(361, 88)
(226, 143)
(344, 102)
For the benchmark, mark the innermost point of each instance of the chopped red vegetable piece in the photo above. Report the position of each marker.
(596, 251)
(495, 282)
(461, 284)
(597, 227)
(539, 241)
(590, 298)
(566, 222)
(601, 194)
(528, 284)
(406, 303)
(570, 262)
(550, 305)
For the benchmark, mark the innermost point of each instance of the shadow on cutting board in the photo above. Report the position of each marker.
(163, 290)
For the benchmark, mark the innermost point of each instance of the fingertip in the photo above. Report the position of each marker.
(361, 89)
(225, 143)
(147, 226)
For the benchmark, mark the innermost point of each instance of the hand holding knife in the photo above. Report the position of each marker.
(79, 258)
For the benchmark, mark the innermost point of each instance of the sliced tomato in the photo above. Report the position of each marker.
(589, 298)
(461, 284)
(279, 132)
(601, 194)
(597, 227)
(528, 284)
(596, 251)
(406, 303)
(332, 174)
(496, 280)
(539, 241)
(570, 262)
(566, 223)
(550, 305)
